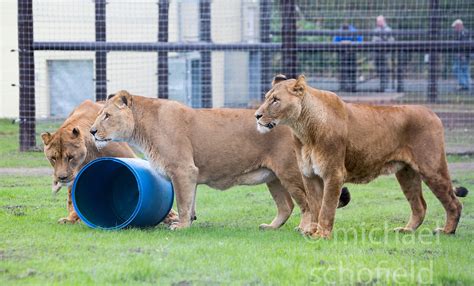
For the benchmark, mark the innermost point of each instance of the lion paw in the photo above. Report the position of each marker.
(177, 225)
(440, 230)
(299, 229)
(321, 235)
(66, 220)
(403, 230)
(307, 230)
(171, 218)
(265, 226)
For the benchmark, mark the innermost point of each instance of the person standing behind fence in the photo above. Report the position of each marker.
(347, 60)
(461, 67)
(381, 56)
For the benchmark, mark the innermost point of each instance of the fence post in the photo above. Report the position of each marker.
(162, 68)
(100, 56)
(434, 57)
(265, 60)
(205, 36)
(26, 62)
(288, 32)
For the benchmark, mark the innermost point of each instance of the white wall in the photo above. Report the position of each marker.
(9, 100)
(127, 20)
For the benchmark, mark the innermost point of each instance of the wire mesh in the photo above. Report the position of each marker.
(224, 53)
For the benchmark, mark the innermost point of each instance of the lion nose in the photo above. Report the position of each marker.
(258, 116)
(93, 131)
(62, 178)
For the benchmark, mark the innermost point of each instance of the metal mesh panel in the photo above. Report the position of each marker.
(224, 53)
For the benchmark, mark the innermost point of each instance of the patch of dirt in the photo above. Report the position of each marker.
(40, 171)
(461, 166)
(46, 171)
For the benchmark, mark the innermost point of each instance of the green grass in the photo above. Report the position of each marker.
(224, 246)
(9, 146)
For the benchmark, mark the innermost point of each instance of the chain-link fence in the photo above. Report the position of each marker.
(224, 53)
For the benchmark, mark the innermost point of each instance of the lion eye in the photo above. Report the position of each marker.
(275, 100)
(69, 158)
(53, 159)
(107, 115)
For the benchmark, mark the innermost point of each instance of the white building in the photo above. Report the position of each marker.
(63, 79)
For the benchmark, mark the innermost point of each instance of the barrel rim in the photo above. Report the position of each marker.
(139, 184)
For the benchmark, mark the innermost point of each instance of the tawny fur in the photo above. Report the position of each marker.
(340, 142)
(216, 147)
(71, 147)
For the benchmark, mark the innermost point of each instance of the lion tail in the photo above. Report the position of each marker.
(461, 192)
(344, 198)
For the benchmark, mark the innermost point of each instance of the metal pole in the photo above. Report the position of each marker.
(100, 56)
(205, 36)
(288, 32)
(26, 60)
(434, 57)
(265, 61)
(162, 68)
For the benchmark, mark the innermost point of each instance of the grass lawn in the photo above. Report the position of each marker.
(224, 246)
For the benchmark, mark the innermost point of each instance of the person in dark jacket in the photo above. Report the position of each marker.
(347, 60)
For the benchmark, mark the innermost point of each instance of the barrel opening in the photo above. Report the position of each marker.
(107, 193)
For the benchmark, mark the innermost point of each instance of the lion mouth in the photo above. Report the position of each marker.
(269, 125)
(264, 128)
(102, 140)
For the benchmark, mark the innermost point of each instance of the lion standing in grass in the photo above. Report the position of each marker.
(71, 147)
(340, 142)
(215, 147)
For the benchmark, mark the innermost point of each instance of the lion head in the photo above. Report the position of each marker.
(115, 120)
(282, 103)
(66, 151)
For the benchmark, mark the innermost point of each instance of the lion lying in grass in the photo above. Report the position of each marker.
(71, 147)
(216, 147)
(339, 142)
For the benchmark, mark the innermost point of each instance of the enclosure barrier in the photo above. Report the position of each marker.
(434, 41)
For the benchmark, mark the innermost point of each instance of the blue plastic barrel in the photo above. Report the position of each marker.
(113, 193)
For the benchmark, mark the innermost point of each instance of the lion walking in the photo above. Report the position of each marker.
(339, 142)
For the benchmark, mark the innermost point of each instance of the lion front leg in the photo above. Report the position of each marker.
(314, 187)
(332, 191)
(184, 184)
(72, 215)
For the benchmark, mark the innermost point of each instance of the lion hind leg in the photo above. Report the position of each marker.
(283, 202)
(410, 182)
(436, 177)
(441, 186)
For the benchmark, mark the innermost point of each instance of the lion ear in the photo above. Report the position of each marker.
(300, 86)
(75, 132)
(278, 78)
(124, 99)
(46, 137)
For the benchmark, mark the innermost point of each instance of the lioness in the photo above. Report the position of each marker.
(71, 147)
(340, 142)
(215, 147)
